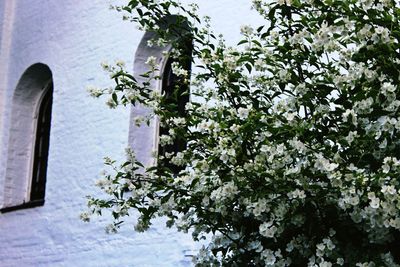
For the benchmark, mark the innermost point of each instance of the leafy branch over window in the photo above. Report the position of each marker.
(292, 136)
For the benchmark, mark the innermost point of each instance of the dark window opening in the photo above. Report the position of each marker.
(176, 94)
(39, 173)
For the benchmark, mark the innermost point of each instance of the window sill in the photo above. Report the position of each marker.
(27, 205)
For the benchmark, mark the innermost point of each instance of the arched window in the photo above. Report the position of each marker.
(173, 87)
(29, 137)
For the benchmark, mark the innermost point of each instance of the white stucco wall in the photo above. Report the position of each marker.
(72, 37)
(7, 18)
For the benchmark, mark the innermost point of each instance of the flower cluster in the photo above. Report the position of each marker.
(292, 138)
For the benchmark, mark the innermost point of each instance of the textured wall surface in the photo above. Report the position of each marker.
(72, 37)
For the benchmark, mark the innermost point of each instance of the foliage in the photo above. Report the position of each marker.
(293, 155)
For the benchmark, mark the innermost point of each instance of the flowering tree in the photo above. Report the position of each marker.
(292, 157)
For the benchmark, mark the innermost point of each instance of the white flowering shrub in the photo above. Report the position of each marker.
(292, 154)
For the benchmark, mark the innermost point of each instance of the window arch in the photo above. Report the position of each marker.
(29, 137)
(173, 87)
